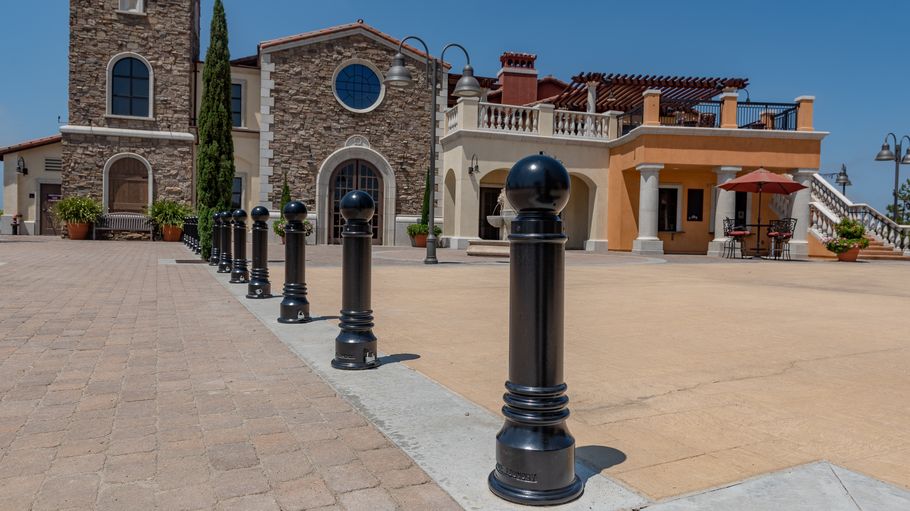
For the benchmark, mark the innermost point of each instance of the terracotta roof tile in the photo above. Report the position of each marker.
(30, 144)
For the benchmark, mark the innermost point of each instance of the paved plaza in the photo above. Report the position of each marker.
(130, 379)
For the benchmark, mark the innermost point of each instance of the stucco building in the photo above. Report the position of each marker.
(645, 153)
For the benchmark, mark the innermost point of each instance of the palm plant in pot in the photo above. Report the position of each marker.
(849, 240)
(169, 216)
(78, 213)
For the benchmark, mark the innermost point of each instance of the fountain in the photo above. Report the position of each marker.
(503, 222)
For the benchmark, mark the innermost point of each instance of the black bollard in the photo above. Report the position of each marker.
(535, 453)
(197, 247)
(215, 256)
(259, 286)
(294, 307)
(239, 272)
(355, 346)
(225, 264)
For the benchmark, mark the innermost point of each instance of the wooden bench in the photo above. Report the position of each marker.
(132, 222)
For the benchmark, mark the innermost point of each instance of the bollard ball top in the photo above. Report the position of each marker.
(216, 217)
(295, 211)
(538, 182)
(357, 205)
(260, 214)
(239, 215)
(225, 217)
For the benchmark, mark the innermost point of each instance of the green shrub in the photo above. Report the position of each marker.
(850, 234)
(78, 210)
(279, 225)
(415, 229)
(168, 212)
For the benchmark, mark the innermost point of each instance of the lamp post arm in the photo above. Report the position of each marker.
(467, 57)
(426, 50)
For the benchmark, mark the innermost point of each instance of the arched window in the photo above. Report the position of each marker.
(130, 86)
(127, 186)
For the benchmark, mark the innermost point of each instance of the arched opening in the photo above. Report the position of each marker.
(127, 187)
(349, 176)
(576, 216)
(491, 185)
(448, 206)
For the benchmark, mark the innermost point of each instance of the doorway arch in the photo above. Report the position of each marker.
(127, 184)
(353, 175)
(576, 216)
(324, 181)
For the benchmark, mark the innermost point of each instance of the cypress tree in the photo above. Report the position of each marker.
(215, 154)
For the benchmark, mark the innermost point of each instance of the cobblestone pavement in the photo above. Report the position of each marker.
(129, 384)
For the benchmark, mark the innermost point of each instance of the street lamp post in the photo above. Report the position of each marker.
(885, 155)
(843, 179)
(398, 75)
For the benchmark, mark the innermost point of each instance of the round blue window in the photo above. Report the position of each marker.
(358, 87)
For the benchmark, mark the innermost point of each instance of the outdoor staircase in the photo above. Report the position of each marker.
(880, 251)
(887, 239)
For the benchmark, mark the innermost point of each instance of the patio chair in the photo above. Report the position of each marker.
(780, 232)
(734, 234)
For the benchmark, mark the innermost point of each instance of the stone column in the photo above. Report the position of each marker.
(613, 127)
(545, 119)
(647, 242)
(651, 108)
(804, 114)
(728, 110)
(725, 208)
(468, 113)
(799, 244)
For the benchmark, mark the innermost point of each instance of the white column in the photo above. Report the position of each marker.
(724, 208)
(592, 108)
(647, 242)
(799, 244)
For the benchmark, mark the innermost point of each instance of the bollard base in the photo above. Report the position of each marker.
(239, 277)
(294, 310)
(350, 365)
(259, 290)
(535, 497)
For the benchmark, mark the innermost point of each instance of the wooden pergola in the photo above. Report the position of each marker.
(624, 92)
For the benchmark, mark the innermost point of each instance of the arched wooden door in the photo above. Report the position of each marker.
(355, 175)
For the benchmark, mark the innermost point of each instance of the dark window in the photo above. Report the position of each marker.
(130, 88)
(695, 204)
(668, 200)
(236, 104)
(358, 86)
(237, 193)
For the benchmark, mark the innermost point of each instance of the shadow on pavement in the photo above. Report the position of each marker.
(398, 357)
(598, 458)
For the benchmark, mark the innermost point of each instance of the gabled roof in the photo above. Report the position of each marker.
(30, 144)
(624, 92)
(358, 26)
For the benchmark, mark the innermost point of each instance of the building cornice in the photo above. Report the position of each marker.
(124, 132)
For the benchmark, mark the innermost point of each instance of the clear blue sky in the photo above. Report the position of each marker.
(852, 56)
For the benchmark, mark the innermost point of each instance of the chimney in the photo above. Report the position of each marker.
(518, 78)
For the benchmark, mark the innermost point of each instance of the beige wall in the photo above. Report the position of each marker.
(17, 187)
(586, 160)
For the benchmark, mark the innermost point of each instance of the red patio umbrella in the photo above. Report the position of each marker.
(762, 181)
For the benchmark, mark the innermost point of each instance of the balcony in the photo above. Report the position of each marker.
(544, 120)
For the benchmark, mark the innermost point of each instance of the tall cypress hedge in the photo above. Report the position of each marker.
(215, 155)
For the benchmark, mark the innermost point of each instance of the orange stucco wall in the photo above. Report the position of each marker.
(817, 249)
(770, 153)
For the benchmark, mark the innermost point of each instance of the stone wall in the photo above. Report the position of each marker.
(165, 36)
(310, 124)
(85, 156)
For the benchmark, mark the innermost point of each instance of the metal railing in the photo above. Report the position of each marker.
(766, 116)
(705, 114)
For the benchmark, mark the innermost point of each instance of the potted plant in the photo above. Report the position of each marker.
(169, 216)
(419, 233)
(850, 239)
(278, 227)
(78, 213)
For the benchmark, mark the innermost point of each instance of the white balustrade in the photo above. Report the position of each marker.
(825, 196)
(452, 119)
(513, 119)
(580, 124)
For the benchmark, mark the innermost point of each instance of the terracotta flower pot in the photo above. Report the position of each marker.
(420, 240)
(77, 231)
(171, 232)
(849, 256)
(282, 239)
